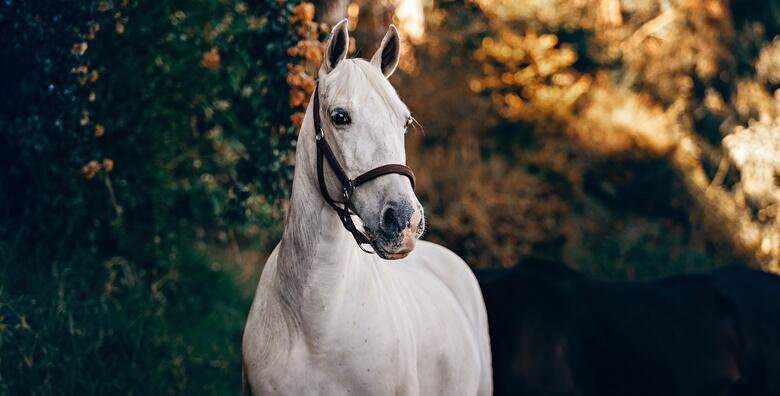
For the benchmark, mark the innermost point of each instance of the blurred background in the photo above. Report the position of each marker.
(147, 148)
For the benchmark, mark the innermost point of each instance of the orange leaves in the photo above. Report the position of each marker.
(303, 12)
(256, 22)
(297, 118)
(308, 85)
(84, 118)
(294, 76)
(310, 50)
(108, 164)
(301, 86)
(79, 49)
(297, 98)
(119, 26)
(307, 53)
(528, 74)
(93, 29)
(308, 47)
(91, 168)
(211, 59)
(87, 76)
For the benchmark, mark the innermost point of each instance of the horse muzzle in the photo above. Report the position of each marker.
(400, 225)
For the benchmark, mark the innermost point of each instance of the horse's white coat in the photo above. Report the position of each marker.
(330, 319)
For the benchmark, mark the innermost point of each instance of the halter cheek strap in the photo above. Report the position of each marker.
(348, 186)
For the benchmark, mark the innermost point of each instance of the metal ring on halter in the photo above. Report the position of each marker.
(347, 192)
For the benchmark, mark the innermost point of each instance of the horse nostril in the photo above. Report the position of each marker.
(389, 222)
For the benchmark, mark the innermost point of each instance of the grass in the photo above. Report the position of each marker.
(69, 335)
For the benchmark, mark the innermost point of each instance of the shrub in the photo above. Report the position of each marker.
(131, 133)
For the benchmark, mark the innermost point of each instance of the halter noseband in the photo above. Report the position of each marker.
(347, 185)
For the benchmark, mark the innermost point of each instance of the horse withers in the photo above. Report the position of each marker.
(330, 317)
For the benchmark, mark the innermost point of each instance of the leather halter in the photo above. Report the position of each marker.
(348, 185)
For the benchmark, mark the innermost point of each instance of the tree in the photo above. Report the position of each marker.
(685, 81)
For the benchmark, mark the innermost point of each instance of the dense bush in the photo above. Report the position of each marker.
(133, 134)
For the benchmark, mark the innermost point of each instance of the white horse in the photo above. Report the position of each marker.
(328, 318)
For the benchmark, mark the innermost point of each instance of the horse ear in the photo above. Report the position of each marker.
(386, 57)
(337, 46)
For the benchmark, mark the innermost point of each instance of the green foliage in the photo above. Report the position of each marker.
(129, 132)
(70, 337)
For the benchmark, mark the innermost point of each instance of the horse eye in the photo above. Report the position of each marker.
(340, 117)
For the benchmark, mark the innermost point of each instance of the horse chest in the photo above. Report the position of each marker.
(368, 348)
(351, 363)
(373, 335)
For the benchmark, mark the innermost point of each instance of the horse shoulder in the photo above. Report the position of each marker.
(458, 278)
(456, 275)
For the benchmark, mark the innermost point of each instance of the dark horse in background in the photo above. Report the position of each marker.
(554, 331)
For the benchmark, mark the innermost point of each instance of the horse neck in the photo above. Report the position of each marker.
(315, 249)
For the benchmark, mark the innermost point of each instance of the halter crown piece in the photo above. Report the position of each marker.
(348, 185)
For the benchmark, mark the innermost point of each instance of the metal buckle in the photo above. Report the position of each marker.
(347, 192)
(319, 134)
